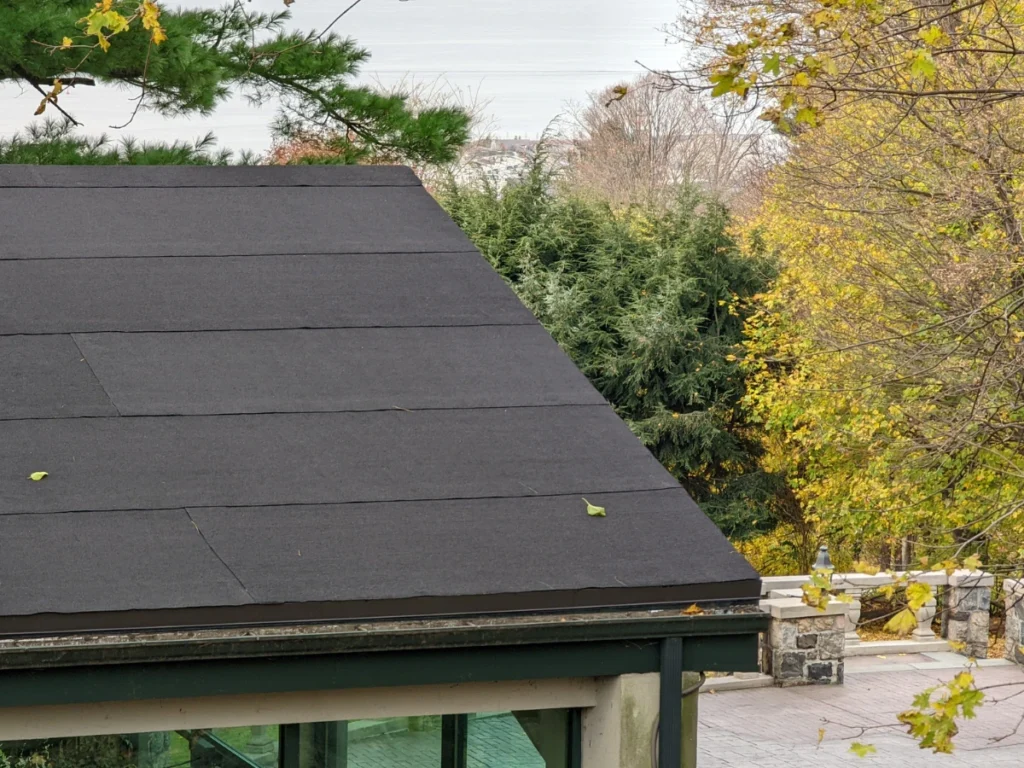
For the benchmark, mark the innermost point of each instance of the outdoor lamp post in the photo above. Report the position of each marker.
(824, 562)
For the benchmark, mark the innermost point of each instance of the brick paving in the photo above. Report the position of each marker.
(778, 728)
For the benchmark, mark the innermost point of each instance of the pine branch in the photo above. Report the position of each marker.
(33, 82)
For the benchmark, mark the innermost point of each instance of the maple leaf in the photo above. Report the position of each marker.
(151, 21)
(903, 623)
(862, 750)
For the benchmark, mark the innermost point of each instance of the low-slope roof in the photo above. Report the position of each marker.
(300, 394)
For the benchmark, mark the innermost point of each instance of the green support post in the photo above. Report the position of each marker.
(670, 738)
(454, 741)
(289, 746)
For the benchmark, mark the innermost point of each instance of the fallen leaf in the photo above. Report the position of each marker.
(595, 511)
(693, 610)
(821, 735)
(37, 476)
(862, 750)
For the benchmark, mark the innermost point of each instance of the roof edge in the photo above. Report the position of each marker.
(179, 176)
(419, 608)
(391, 636)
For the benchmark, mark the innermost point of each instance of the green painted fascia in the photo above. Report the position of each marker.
(724, 643)
(314, 640)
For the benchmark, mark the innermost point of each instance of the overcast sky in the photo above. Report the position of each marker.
(528, 57)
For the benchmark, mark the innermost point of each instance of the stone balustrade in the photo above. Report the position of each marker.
(968, 596)
(806, 646)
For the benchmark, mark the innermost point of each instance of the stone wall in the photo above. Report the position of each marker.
(805, 646)
(969, 600)
(1014, 596)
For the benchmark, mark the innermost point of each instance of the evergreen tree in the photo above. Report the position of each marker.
(188, 61)
(56, 143)
(650, 304)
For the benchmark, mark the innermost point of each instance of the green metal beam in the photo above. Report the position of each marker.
(379, 637)
(211, 677)
(129, 682)
(728, 653)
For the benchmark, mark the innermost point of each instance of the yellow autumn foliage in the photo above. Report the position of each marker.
(884, 365)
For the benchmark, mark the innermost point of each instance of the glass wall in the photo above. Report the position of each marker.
(526, 739)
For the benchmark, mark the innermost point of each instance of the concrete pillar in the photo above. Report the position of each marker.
(970, 598)
(619, 729)
(1013, 591)
(805, 646)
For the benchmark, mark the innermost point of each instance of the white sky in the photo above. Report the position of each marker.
(528, 57)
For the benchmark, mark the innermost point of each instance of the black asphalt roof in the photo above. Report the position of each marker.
(300, 394)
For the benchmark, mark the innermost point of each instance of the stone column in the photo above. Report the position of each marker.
(1013, 590)
(970, 597)
(805, 646)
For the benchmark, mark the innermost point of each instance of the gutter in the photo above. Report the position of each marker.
(25, 653)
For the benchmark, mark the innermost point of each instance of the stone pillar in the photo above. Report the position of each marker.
(970, 597)
(1013, 590)
(805, 646)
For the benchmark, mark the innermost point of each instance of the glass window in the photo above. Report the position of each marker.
(397, 741)
(534, 739)
(525, 739)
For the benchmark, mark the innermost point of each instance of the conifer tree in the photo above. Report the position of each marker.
(188, 61)
(650, 304)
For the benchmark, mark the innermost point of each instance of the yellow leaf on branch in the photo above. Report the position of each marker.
(903, 623)
(150, 12)
(917, 595)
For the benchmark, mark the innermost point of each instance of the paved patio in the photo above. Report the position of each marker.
(778, 728)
